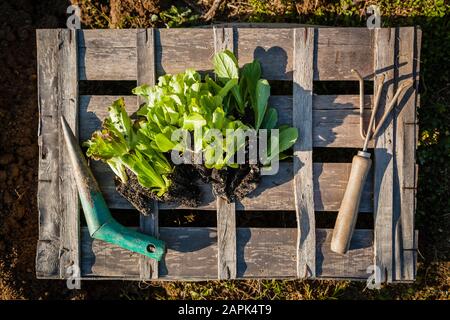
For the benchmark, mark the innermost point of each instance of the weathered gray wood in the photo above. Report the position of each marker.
(339, 102)
(145, 44)
(405, 149)
(178, 49)
(352, 268)
(335, 117)
(226, 212)
(354, 264)
(341, 49)
(338, 128)
(261, 253)
(57, 196)
(383, 161)
(101, 259)
(226, 239)
(113, 56)
(68, 194)
(107, 63)
(107, 38)
(275, 192)
(303, 165)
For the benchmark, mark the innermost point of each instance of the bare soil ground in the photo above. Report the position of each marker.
(19, 150)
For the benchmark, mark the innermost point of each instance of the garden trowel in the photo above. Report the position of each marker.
(100, 223)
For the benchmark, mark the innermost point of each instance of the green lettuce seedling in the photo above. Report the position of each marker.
(252, 95)
(120, 146)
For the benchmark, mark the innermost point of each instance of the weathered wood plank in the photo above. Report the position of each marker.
(303, 164)
(335, 118)
(226, 212)
(405, 149)
(47, 256)
(112, 57)
(107, 63)
(339, 102)
(68, 193)
(252, 260)
(226, 239)
(341, 49)
(145, 44)
(383, 164)
(102, 259)
(338, 128)
(179, 48)
(107, 38)
(261, 253)
(274, 192)
(354, 264)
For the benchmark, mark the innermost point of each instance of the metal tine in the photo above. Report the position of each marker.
(371, 130)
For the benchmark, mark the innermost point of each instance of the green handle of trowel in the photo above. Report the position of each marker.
(100, 222)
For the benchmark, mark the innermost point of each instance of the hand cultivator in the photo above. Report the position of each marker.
(348, 212)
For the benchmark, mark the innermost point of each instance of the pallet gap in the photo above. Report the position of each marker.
(341, 87)
(336, 155)
(106, 87)
(281, 87)
(265, 219)
(187, 218)
(327, 219)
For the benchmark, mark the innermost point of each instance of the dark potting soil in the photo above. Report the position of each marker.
(229, 183)
(183, 190)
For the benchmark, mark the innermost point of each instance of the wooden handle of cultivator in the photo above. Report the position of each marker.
(348, 212)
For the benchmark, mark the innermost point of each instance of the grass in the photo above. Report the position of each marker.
(433, 155)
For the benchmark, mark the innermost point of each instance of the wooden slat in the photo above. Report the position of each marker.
(68, 193)
(99, 258)
(273, 48)
(261, 253)
(107, 63)
(352, 268)
(340, 102)
(107, 38)
(226, 212)
(226, 239)
(48, 63)
(112, 55)
(335, 117)
(178, 49)
(145, 44)
(341, 49)
(338, 128)
(303, 163)
(383, 162)
(405, 149)
(275, 192)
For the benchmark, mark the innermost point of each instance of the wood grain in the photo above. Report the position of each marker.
(112, 55)
(226, 212)
(68, 193)
(261, 253)
(405, 149)
(226, 239)
(383, 160)
(47, 257)
(303, 163)
(145, 52)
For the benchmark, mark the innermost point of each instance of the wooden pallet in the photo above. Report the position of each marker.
(300, 55)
